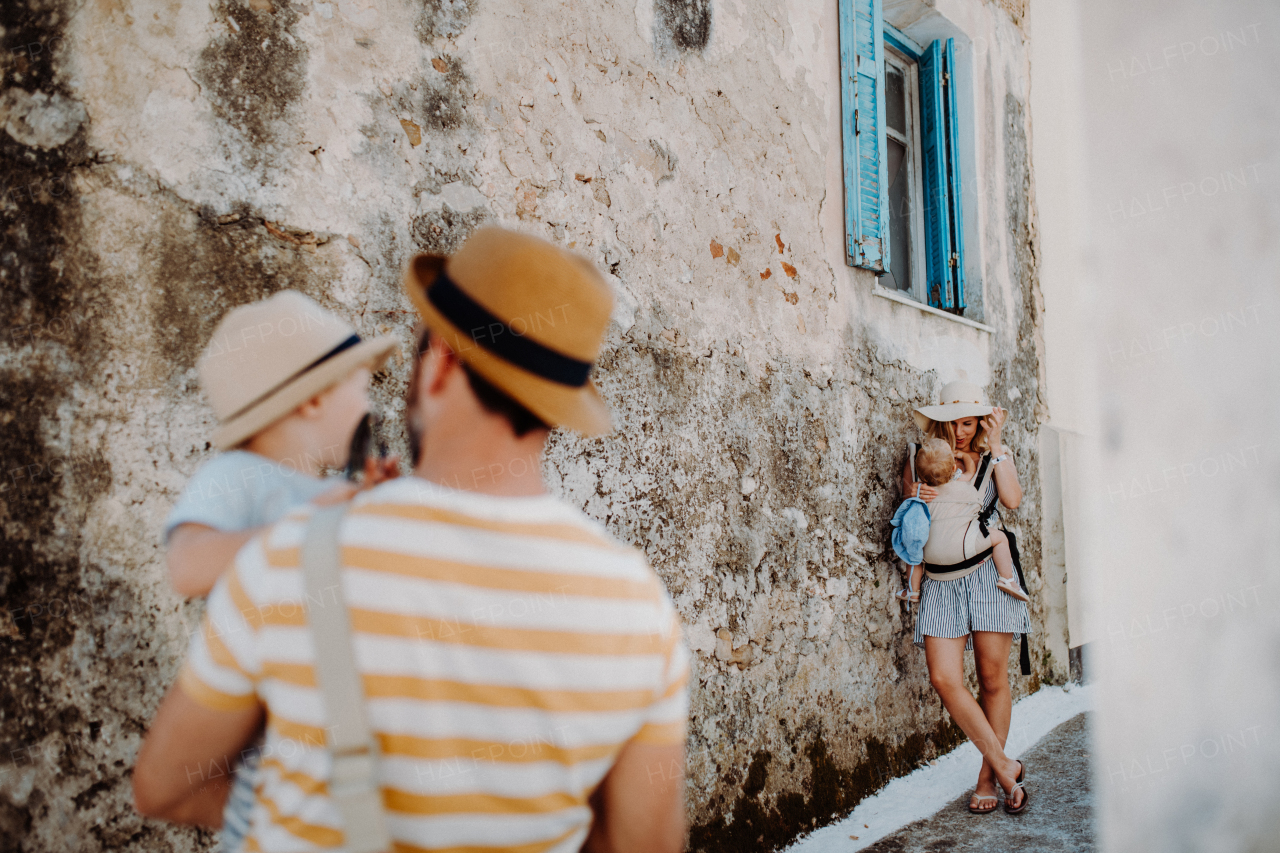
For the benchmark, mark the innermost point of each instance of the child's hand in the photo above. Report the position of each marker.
(380, 470)
(338, 494)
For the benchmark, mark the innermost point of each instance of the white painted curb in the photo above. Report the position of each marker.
(926, 790)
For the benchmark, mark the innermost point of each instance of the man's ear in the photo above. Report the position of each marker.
(437, 366)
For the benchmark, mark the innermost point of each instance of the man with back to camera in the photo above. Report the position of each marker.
(524, 675)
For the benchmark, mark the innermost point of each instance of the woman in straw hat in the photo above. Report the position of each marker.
(961, 607)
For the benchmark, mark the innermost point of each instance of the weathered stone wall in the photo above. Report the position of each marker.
(165, 161)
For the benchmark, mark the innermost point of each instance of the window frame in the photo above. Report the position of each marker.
(910, 67)
(903, 43)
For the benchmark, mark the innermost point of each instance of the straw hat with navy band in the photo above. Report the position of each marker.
(526, 315)
(269, 357)
(959, 399)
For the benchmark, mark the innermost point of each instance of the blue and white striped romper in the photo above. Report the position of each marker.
(957, 608)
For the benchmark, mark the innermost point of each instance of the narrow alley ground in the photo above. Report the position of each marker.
(926, 811)
(1059, 818)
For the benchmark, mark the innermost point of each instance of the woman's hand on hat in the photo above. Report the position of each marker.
(993, 424)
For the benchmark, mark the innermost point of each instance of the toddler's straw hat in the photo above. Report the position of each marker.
(526, 315)
(269, 357)
(959, 399)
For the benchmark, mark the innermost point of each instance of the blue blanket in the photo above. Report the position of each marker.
(911, 530)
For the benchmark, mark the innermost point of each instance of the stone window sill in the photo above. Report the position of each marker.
(893, 296)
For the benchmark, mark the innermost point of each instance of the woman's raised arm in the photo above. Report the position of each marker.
(1008, 489)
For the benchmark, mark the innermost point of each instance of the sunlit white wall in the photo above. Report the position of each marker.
(1182, 250)
(1066, 439)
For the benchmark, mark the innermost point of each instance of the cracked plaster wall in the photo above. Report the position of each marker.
(166, 161)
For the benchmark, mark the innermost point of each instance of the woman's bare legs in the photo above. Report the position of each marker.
(945, 658)
(991, 654)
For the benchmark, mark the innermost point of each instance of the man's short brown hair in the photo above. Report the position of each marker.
(935, 462)
(492, 398)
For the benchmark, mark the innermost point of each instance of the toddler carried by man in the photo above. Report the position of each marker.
(289, 383)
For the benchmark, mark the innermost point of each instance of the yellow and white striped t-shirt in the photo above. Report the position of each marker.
(508, 647)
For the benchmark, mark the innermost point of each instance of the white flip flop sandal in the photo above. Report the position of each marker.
(1019, 784)
(981, 798)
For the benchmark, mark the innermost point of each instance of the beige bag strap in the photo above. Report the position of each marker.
(352, 784)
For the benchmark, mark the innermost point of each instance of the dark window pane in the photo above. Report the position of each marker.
(895, 103)
(899, 276)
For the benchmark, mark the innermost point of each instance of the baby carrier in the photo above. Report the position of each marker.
(959, 526)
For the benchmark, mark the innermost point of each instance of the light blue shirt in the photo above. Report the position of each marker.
(237, 490)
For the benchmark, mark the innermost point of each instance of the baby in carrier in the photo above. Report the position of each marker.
(957, 524)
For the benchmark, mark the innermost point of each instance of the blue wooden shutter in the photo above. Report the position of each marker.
(862, 123)
(954, 193)
(943, 214)
(937, 239)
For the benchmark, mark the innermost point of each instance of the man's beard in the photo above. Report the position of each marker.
(412, 420)
(413, 425)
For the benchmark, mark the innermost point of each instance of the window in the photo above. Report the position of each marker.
(903, 202)
(904, 260)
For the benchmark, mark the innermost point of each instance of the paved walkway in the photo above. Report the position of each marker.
(1059, 818)
(932, 792)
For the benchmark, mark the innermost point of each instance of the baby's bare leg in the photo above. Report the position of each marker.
(917, 574)
(1002, 554)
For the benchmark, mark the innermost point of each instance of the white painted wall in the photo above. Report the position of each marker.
(1182, 197)
(1066, 440)
(1057, 150)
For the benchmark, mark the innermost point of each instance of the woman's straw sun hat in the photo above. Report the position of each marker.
(526, 315)
(269, 357)
(959, 399)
